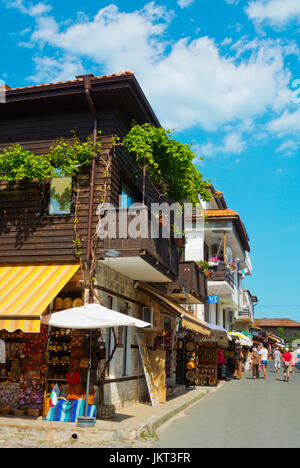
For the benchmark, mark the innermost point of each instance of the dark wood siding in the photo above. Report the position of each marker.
(27, 233)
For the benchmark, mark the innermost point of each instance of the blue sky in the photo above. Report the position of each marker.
(220, 73)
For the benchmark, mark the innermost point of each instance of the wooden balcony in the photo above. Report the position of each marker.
(144, 258)
(221, 273)
(191, 285)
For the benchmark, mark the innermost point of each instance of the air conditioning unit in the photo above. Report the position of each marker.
(148, 317)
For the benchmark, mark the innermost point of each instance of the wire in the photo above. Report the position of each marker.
(283, 305)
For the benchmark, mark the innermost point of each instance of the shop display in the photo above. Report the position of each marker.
(207, 358)
(201, 363)
(23, 373)
(191, 345)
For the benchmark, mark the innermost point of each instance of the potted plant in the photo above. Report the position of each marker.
(203, 266)
(232, 266)
(214, 261)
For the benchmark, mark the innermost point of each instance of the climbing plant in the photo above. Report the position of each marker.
(169, 162)
(66, 158)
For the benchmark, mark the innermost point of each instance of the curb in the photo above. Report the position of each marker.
(32, 435)
(175, 408)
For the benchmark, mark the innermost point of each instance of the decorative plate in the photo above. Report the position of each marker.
(190, 346)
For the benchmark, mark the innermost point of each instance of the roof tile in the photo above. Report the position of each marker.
(72, 81)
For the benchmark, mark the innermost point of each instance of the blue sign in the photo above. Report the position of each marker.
(213, 299)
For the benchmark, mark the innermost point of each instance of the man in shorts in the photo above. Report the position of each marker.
(287, 360)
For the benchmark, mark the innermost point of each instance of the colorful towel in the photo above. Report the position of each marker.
(69, 411)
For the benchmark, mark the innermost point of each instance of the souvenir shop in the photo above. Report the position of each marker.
(34, 361)
(32, 364)
(197, 358)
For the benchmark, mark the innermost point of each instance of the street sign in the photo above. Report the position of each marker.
(213, 299)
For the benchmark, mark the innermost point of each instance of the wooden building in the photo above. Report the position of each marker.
(35, 231)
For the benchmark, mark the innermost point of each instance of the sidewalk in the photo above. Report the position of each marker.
(129, 425)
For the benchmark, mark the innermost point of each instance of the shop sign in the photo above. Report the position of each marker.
(213, 299)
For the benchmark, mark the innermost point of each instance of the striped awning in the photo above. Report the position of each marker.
(26, 292)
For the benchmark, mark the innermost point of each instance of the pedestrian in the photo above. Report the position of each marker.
(255, 364)
(277, 356)
(293, 362)
(239, 357)
(248, 361)
(221, 365)
(264, 354)
(287, 359)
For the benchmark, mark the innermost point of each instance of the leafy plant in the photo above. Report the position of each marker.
(65, 158)
(17, 164)
(169, 162)
(202, 265)
(71, 157)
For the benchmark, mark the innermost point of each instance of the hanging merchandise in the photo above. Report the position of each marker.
(191, 345)
(207, 363)
(23, 373)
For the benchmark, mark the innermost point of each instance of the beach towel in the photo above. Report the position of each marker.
(69, 411)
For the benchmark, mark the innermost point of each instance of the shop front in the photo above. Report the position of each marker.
(33, 358)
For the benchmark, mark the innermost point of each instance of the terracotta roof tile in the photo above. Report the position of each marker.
(220, 213)
(72, 81)
(276, 323)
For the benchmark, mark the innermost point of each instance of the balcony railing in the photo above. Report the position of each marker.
(244, 314)
(190, 285)
(161, 253)
(221, 273)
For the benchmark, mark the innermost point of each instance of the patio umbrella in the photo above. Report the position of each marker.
(90, 317)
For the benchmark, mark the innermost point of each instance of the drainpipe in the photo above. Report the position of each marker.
(87, 89)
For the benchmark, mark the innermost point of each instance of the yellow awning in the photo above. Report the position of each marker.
(188, 320)
(26, 292)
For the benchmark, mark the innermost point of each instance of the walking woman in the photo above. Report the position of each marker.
(255, 364)
(239, 363)
(264, 354)
(277, 356)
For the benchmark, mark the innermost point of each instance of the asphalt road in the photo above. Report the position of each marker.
(242, 414)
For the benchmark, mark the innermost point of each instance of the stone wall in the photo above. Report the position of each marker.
(132, 388)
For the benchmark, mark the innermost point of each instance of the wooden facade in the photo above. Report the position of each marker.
(38, 116)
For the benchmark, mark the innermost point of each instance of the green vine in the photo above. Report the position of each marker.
(169, 162)
(65, 159)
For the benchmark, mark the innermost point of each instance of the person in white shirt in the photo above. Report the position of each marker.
(264, 354)
(277, 357)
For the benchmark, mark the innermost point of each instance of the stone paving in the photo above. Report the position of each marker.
(134, 426)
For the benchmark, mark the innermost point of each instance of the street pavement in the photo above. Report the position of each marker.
(244, 414)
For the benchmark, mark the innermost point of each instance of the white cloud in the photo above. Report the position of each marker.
(274, 12)
(287, 124)
(28, 8)
(188, 82)
(232, 144)
(60, 70)
(288, 147)
(185, 3)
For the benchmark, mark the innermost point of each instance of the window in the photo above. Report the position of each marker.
(60, 196)
(126, 198)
